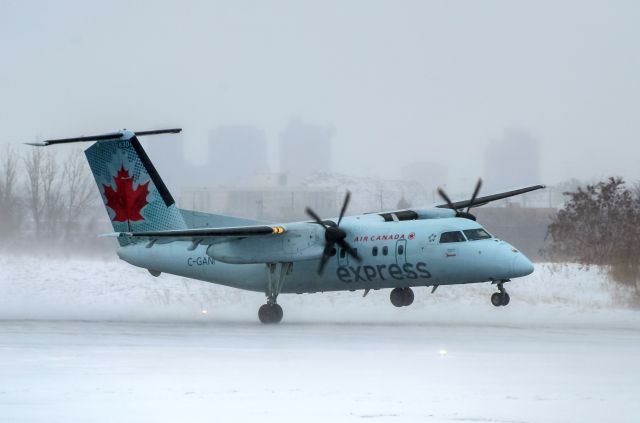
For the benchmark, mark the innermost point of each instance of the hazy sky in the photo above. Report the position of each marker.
(400, 81)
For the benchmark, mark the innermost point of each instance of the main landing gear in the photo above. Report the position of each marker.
(500, 298)
(271, 312)
(401, 297)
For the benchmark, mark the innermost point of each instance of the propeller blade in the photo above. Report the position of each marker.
(446, 198)
(315, 217)
(333, 235)
(344, 244)
(326, 255)
(475, 194)
(347, 198)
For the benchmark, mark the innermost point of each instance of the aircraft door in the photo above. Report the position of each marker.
(343, 257)
(401, 251)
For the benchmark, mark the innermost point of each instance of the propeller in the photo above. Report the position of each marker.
(461, 213)
(333, 235)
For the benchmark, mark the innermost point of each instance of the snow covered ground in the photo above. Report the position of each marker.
(102, 341)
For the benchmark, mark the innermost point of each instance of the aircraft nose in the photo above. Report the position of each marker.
(521, 266)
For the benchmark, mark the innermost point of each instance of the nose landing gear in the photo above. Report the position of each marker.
(500, 298)
(401, 297)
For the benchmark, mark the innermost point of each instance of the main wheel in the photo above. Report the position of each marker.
(505, 299)
(408, 296)
(270, 313)
(397, 297)
(496, 299)
(277, 313)
(264, 313)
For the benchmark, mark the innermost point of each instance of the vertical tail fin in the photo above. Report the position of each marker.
(132, 190)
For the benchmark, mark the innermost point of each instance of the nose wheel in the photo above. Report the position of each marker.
(401, 297)
(500, 298)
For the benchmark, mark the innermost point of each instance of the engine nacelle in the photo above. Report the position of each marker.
(435, 213)
(293, 245)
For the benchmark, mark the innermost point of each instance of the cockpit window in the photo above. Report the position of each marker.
(476, 234)
(455, 236)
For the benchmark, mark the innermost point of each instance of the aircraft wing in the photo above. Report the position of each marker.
(201, 234)
(481, 201)
(421, 213)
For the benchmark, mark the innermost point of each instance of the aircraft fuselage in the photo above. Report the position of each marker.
(394, 254)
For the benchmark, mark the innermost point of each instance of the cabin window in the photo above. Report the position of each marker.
(343, 253)
(374, 251)
(476, 234)
(454, 236)
(385, 250)
(400, 250)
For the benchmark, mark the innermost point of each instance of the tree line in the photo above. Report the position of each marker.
(48, 202)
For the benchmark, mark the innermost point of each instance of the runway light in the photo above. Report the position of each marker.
(442, 353)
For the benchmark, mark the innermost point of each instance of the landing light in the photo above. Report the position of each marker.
(442, 353)
(203, 311)
(278, 230)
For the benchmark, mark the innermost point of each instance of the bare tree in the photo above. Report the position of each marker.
(43, 189)
(52, 194)
(59, 200)
(10, 215)
(78, 192)
(8, 173)
(32, 164)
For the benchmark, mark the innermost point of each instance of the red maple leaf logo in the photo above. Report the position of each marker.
(124, 200)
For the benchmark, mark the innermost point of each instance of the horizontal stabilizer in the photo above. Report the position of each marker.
(103, 137)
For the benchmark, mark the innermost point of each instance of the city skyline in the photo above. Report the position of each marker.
(418, 81)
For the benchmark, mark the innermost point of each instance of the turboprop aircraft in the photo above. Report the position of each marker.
(397, 249)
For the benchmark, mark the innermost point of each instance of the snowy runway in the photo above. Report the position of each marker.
(131, 348)
(101, 371)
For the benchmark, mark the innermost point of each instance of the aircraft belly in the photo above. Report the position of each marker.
(176, 259)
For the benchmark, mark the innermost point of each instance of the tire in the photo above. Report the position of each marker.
(496, 299)
(265, 314)
(277, 313)
(397, 297)
(505, 299)
(270, 313)
(408, 296)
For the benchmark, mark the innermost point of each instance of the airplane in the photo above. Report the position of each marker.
(397, 249)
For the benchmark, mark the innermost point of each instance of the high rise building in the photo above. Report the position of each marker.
(237, 153)
(512, 161)
(305, 149)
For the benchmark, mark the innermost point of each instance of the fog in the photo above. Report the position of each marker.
(286, 105)
(396, 83)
